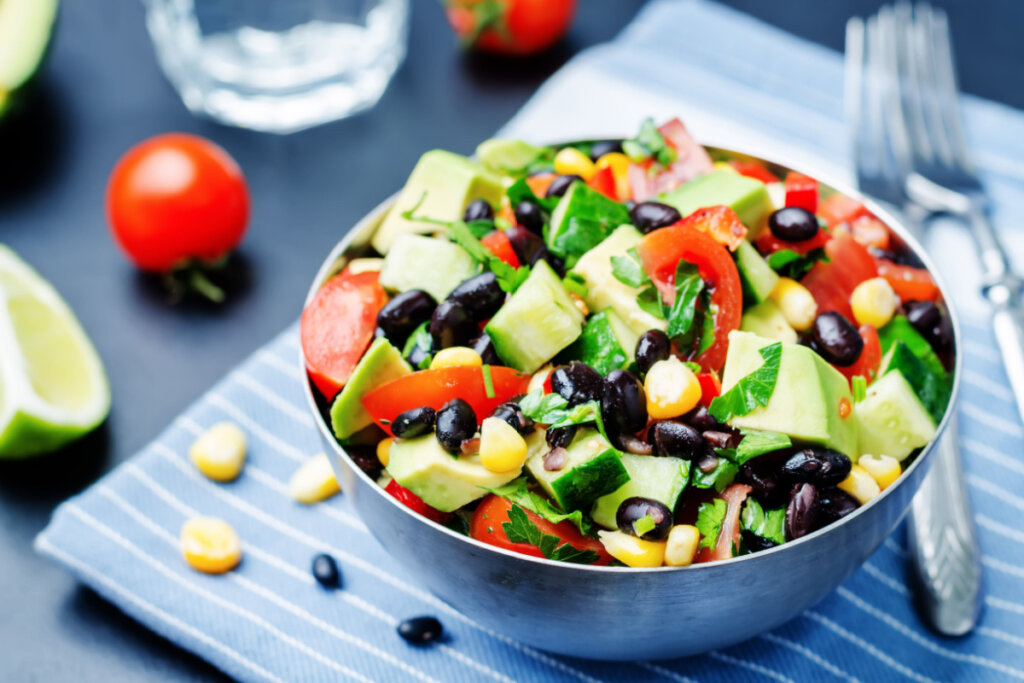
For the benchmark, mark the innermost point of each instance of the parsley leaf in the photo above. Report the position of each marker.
(519, 529)
(628, 271)
(521, 191)
(756, 442)
(518, 492)
(649, 143)
(751, 391)
(768, 524)
(509, 278)
(722, 475)
(791, 264)
(709, 522)
(554, 411)
(574, 282)
(707, 332)
(689, 286)
(649, 302)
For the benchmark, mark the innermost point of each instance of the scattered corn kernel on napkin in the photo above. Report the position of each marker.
(731, 79)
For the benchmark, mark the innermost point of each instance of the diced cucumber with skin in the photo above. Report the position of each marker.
(766, 320)
(756, 275)
(900, 329)
(583, 219)
(604, 291)
(931, 388)
(538, 320)
(660, 479)
(891, 419)
(432, 264)
(592, 469)
(607, 343)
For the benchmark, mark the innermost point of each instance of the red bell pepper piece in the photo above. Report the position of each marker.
(501, 246)
(754, 169)
(802, 191)
(604, 182)
(710, 387)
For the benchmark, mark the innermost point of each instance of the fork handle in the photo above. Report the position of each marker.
(943, 543)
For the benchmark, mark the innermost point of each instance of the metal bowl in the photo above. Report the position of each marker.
(618, 613)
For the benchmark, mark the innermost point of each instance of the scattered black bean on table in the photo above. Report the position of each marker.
(421, 630)
(325, 571)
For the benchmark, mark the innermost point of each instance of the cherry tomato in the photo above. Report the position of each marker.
(832, 283)
(710, 387)
(870, 232)
(838, 208)
(870, 358)
(501, 246)
(720, 222)
(802, 191)
(337, 327)
(415, 503)
(174, 199)
(753, 169)
(514, 27)
(909, 283)
(729, 534)
(486, 526)
(660, 253)
(436, 387)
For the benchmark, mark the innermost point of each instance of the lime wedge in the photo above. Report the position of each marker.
(53, 388)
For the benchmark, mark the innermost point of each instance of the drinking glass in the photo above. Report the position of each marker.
(278, 65)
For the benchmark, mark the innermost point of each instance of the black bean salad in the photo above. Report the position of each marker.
(635, 352)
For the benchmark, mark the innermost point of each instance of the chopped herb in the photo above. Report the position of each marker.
(488, 382)
(709, 522)
(695, 367)
(751, 391)
(722, 475)
(554, 411)
(789, 263)
(755, 443)
(768, 524)
(480, 228)
(649, 143)
(644, 524)
(681, 316)
(649, 302)
(859, 384)
(520, 191)
(519, 529)
(574, 282)
(509, 278)
(628, 271)
(518, 491)
(707, 332)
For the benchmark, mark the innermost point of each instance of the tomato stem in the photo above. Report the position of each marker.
(199, 283)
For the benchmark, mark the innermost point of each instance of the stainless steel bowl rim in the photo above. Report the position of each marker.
(328, 268)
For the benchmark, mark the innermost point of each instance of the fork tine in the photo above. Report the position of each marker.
(891, 106)
(911, 86)
(854, 82)
(947, 102)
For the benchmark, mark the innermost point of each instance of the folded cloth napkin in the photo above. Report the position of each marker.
(730, 78)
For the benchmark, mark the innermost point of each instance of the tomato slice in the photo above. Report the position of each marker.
(710, 387)
(337, 326)
(720, 222)
(769, 243)
(486, 526)
(802, 191)
(415, 503)
(755, 170)
(604, 182)
(838, 208)
(660, 253)
(909, 283)
(831, 283)
(870, 232)
(870, 358)
(501, 246)
(436, 387)
(540, 182)
(729, 534)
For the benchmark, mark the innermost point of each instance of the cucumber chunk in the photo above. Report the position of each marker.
(607, 343)
(891, 419)
(592, 470)
(931, 388)
(583, 219)
(660, 479)
(757, 277)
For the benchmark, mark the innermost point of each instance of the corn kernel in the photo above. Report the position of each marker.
(672, 389)
(539, 379)
(725, 166)
(210, 545)
(384, 451)
(365, 265)
(314, 481)
(502, 448)
(860, 485)
(219, 452)
(456, 356)
(874, 302)
(619, 163)
(682, 545)
(796, 303)
(571, 161)
(632, 551)
(883, 469)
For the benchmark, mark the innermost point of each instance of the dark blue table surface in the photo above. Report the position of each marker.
(100, 93)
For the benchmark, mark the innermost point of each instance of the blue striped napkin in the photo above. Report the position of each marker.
(731, 78)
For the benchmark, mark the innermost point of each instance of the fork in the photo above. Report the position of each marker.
(899, 88)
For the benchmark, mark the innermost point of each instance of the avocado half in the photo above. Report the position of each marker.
(25, 30)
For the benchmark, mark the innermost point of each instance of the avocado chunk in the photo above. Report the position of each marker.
(381, 363)
(607, 342)
(537, 321)
(604, 291)
(891, 419)
(25, 30)
(442, 481)
(660, 479)
(441, 184)
(582, 219)
(756, 276)
(510, 157)
(766, 320)
(805, 402)
(432, 264)
(746, 196)
(593, 468)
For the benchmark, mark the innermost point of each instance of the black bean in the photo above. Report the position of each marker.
(833, 505)
(325, 571)
(624, 404)
(648, 216)
(403, 314)
(819, 466)
(762, 477)
(632, 444)
(560, 185)
(836, 339)
(413, 422)
(577, 383)
(451, 325)
(511, 413)
(725, 438)
(528, 246)
(677, 440)
(478, 210)
(755, 543)
(928, 320)
(602, 147)
(485, 347)
(700, 419)
(800, 512)
(634, 509)
(652, 346)
(456, 422)
(529, 216)
(421, 630)
(560, 437)
(365, 458)
(480, 295)
(793, 224)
